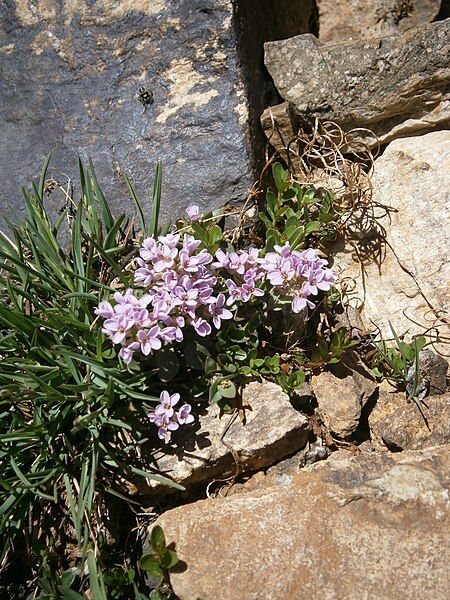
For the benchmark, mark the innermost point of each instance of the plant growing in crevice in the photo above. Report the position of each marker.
(98, 340)
(158, 562)
(399, 364)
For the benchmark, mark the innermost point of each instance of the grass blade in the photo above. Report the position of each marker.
(156, 201)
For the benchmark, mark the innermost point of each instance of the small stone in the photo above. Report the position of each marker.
(432, 374)
(341, 399)
(272, 429)
(406, 429)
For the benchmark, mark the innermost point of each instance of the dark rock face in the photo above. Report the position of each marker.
(69, 77)
(395, 85)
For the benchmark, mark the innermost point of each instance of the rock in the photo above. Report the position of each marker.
(387, 403)
(432, 375)
(395, 85)
(367, 526)
(272, 430)
(280, 128)
(405, 428)
(352, 19)
(341, 397)
(396, 254)
(71, 73)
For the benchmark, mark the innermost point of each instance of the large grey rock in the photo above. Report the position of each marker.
(271, 430)
(396, 257)
(355, 19)
(370, 526)
(395, 85)
(70, 72)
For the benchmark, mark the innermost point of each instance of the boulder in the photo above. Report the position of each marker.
(395, 85)
(405, 428)
(366, 526)
(220, 446)
(341, 397)
(71, 72)
(352, 19)
(396, 254)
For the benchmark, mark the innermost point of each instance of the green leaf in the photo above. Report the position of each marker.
(156, 477)
(42, 177)
(69, 594)
(215, 234)
(105, 212)
(137, 205)
(167, 363)
(280, 176)
(95, 578)
(227, 389)
(169, 559)
(156, 201)
(158, 540)
(150, 562)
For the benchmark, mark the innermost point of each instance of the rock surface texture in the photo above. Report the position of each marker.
(396, 85)
(341, 399)
(272, 429)
(397, 265)
(352, 19)
(70, 73)
(405, 428)
(371, 526)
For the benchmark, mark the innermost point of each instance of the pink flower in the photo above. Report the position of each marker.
(218, 312)
(165, 426)
(116, 328)
(149, 340)
(167, 402)
(183, 415)
(166, 419)
(104, 310)
(126, 352)
(202, 327)
(193, 212)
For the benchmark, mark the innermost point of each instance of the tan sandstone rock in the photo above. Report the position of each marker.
(341, 397)
(396, 266)
(371, 526)
(272, 429)
(404, 428)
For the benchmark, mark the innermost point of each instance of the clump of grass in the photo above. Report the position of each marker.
(72, 420)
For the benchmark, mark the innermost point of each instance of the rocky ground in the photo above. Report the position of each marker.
(369, 520)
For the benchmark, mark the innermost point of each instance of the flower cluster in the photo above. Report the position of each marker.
(166, 418)
(133, 325)
(185, 286)
(298, 275)
(180, 283)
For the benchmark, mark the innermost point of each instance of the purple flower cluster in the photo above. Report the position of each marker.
(246, 271)
(298, 275)
(166, 418)
(185, 286)
(181, 284)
